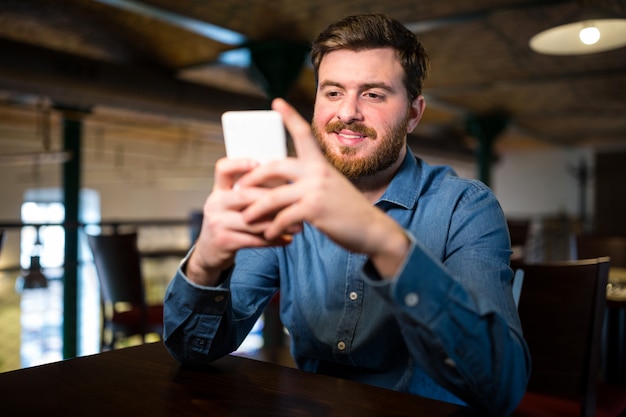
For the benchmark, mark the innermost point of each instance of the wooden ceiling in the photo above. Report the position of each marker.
(149, 69)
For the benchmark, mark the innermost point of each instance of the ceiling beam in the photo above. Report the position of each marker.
(427, 25)
(84, 82)
(602, 75)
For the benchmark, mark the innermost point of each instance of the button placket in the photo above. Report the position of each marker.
(353, 299)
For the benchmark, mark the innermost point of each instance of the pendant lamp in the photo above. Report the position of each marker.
(589, 31)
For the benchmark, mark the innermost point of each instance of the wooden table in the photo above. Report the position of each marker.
(146, 381)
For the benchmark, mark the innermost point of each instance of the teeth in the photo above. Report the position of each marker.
(351, 136)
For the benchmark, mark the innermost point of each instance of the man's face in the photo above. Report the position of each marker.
(362, 112)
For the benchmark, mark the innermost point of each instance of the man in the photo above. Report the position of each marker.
(391, 272)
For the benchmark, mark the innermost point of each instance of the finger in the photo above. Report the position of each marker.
(247, 240)
(231, 232)
(287, 222)
(278, 212)
(253, 236)
(271, 203)
(272, 174)
(300, 130)
(233, 199)
(274, 232)
(228, 171)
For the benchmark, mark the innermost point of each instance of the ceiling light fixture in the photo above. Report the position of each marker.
(591, 30)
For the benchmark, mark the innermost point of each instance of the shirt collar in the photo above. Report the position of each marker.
(405, 186)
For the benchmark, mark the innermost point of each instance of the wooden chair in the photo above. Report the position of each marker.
(561, 309)
(125, 312)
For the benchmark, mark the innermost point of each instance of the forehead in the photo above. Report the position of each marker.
(370, 65)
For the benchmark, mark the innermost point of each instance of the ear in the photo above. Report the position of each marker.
(416, 111)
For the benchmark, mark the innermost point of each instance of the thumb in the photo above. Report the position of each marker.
(300, 130)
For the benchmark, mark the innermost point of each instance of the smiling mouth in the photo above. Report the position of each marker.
(350, 138)
(351, 135)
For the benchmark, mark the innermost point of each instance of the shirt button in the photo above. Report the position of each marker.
(411, 299)
(219, 298)
(354, 295)
(341, 346)
(450, 362)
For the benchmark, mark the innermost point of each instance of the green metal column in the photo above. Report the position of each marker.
(486, 129)
(72, 135)
(277, 64)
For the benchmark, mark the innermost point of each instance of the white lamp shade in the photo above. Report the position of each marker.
(565, 40)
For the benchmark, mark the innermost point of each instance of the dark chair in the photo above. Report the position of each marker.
(592, 246)
(124, 308)
(561, 309)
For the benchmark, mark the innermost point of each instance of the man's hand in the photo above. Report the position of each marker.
(224, 229)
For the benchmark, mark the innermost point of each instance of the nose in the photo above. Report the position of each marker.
(348, 110)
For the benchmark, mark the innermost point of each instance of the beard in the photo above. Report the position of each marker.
(385, 155)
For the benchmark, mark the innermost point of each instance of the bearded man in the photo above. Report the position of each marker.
(391, 272)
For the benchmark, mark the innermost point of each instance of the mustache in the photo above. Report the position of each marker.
(355, 127)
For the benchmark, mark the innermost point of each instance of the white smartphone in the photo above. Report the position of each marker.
(255, 134)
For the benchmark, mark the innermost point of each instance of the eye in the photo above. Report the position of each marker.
(374, 96)
(331, 94)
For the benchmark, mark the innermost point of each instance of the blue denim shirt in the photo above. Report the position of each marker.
(445, 327)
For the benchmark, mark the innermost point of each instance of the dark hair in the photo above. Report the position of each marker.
(369, 31)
